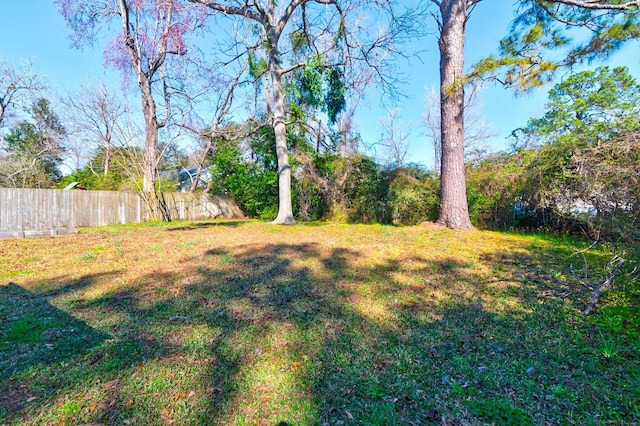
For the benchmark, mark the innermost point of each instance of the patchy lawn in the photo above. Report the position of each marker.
(236, 323)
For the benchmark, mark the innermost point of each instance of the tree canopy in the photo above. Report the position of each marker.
(577, 30)
(589, 106)
(34, 149)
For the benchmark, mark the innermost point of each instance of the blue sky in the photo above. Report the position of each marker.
(32, 30)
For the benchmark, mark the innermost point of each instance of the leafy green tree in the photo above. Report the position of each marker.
(317, 86)
(524, 58)
(249, 176)
(590, 117)
(34, 149)
(577, 168)
(589, 106)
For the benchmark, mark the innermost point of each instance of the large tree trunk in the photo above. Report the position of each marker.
(150, 158)
(107, 151)
(285, 211)
(107, 159)
(454, 212)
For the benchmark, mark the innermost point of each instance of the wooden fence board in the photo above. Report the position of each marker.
(32, 212)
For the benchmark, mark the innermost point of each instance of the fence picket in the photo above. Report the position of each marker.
(33, 212)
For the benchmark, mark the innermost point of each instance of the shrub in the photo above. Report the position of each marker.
(413, 196)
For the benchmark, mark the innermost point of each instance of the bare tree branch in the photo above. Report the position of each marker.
(608, 282)
(16, 84)
(245, 10)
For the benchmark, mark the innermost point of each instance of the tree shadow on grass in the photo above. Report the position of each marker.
(362, 346)
(33, 332)
(350, 337)
(491, 348)
(313, 334)
(209, 224)
(276, 312)
(47, 353)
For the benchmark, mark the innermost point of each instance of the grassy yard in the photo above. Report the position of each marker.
(243, 323)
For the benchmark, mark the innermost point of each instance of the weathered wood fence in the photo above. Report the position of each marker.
(34, 212)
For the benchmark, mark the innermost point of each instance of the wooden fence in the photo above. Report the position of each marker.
(34, 212)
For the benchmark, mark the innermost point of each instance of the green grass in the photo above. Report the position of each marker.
(240, 323)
